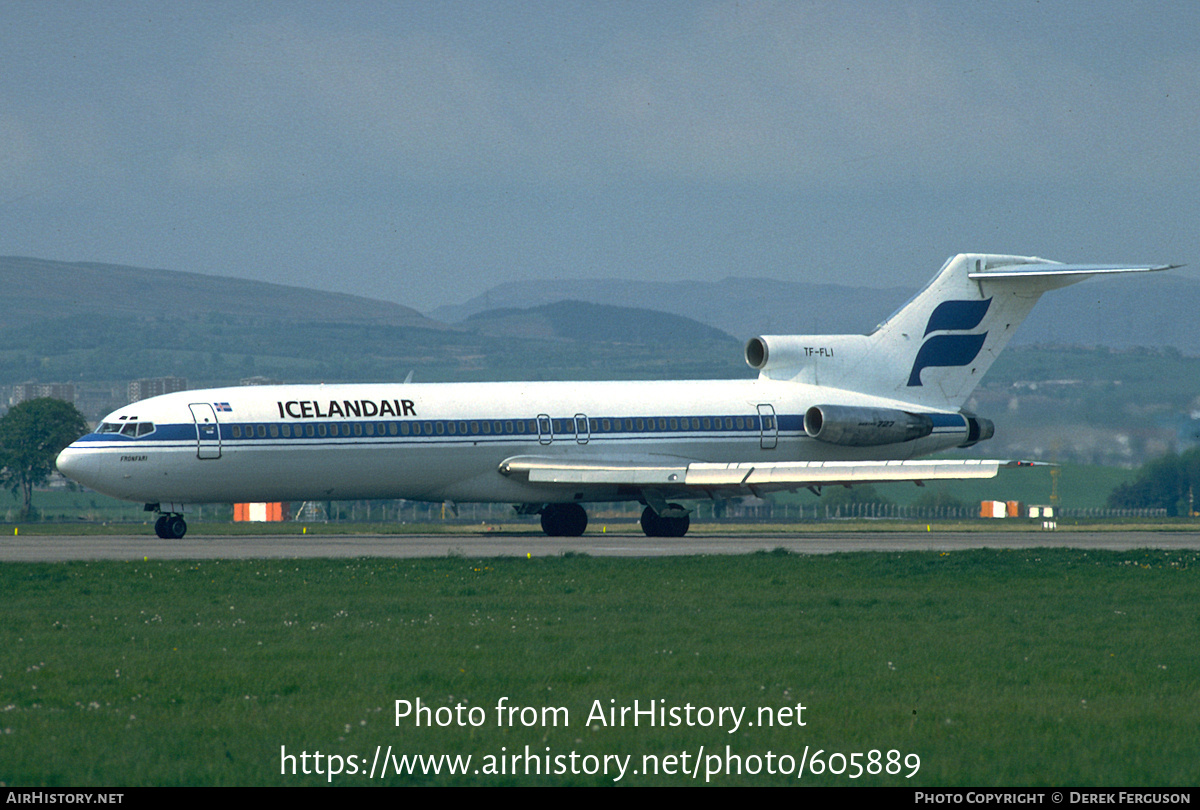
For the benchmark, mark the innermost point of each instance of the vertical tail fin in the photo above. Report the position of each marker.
(933, 350)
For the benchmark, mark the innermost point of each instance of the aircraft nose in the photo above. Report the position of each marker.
(77, 464)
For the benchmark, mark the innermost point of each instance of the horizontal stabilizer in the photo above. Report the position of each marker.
(1047, 269)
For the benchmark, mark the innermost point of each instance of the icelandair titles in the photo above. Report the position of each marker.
(311, 409)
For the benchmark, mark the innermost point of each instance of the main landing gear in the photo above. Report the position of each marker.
(563, 519)
(673, 522)
(570, 520)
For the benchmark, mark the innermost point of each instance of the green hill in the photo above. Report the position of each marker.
(582, 321)
(38, 291)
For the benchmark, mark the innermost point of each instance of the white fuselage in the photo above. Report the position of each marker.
(446, 441)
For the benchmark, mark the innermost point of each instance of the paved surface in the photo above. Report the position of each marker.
(47, 548)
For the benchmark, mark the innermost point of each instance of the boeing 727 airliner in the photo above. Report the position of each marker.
(824, 410)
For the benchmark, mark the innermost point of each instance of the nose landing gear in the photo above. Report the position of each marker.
(170, 525)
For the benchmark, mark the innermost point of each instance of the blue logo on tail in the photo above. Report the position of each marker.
(951, 350)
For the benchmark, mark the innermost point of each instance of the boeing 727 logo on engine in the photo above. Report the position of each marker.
(824, 410)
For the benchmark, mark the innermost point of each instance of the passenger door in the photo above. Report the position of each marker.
(768, 427)
(208, 432)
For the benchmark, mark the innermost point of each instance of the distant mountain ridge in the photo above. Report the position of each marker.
(1144, 310)
(1156, 309)
(741, 307)
(34, 290)
(583, 321)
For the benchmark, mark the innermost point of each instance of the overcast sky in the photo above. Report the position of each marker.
(422, 152)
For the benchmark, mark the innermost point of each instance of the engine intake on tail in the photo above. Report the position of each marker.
(864, 427)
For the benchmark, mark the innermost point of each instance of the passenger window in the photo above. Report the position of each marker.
(440, 427)
(741, 423)
(236, 430)
(674, 424)
(309, 430)
(286, 430)
(274, 430)
(404, 428)
(369, 428)
(322, 429)
(262, 431)
(392, 428)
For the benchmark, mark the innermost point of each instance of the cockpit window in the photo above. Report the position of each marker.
(131, 428)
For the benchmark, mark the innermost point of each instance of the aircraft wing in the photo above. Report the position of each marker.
(705, 478)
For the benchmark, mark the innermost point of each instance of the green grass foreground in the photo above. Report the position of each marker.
(994, 667)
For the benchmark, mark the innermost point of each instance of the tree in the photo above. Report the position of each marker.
(32, 434)
(1167, 483)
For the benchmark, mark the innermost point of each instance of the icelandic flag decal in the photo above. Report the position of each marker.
(223, 406)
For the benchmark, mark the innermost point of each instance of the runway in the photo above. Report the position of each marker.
(61, 548)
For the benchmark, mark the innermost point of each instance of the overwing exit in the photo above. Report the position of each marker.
(825, 410)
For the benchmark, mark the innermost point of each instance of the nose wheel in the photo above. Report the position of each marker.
(170, 527)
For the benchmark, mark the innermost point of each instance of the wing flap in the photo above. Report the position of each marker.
(562, 471)
(806, 473)
(747, 475)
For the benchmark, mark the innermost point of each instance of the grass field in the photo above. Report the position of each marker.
(993, 667)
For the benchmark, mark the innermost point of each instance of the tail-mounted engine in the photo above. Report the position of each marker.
(864, 427)
(978, 430)
(852, 426)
